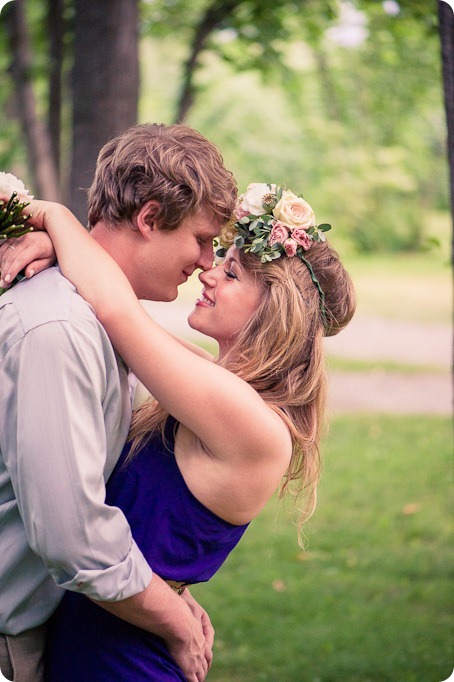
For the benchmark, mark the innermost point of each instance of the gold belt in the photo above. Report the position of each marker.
(179, 587)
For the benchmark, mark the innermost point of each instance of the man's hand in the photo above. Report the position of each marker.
(204, 619)
(160, 610)
(193, 654)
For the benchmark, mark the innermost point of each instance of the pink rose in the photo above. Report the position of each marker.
(278, 235)
(240, 213)
(302, 238)
(290, 247)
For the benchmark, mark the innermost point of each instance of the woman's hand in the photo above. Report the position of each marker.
(32, 253)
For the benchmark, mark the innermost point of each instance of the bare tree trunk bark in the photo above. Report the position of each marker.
(105, 85)
(35, 131)
(56, 33)
(446, 28)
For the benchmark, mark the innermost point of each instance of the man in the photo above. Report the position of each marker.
(160, 195)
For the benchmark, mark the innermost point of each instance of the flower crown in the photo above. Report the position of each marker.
(271, 221)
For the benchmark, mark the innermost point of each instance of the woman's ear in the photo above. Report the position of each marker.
(146, 218)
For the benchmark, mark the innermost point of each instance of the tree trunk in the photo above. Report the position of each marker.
(35, 131)
(56, 33)
(105, 85)
(446, 27)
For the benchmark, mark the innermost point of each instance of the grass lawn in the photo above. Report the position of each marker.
(370, 598)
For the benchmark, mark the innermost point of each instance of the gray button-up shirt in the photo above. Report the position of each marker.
(64, 417)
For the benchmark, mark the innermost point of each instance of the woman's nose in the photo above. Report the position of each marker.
(208, 277)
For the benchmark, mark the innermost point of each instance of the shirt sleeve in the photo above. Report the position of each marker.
(53, 441)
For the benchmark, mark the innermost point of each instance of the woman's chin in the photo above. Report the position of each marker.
(195, 323)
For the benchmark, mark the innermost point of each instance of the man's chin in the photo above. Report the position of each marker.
(163, 296)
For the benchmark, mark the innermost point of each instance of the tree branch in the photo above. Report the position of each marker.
(211, 20)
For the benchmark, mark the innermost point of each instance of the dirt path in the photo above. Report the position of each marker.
(428, 391)
(404, 342)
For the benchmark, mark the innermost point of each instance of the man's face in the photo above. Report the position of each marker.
(171, 257)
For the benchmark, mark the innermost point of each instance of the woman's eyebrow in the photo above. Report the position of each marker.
(231, 259)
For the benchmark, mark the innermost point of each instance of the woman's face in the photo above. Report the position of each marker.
(230, 297)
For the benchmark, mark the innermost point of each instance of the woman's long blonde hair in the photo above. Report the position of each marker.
(280, 354)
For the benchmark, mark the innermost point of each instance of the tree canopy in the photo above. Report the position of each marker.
(336, 97)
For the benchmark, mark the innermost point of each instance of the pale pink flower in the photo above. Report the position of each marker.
(278, 235)
(294, 211)
(240, 213)
(302, 238)
(290, 247)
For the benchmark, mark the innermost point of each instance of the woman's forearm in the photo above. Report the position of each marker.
(84, 262)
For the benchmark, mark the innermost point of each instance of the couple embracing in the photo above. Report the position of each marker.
(120, 512)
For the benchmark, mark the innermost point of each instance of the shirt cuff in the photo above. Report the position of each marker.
(114, 583)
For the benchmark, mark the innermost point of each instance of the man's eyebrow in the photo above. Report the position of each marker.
(207, 233)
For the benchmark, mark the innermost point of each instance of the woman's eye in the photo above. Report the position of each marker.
(230, 274)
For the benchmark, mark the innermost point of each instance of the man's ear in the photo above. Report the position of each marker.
(146, 218)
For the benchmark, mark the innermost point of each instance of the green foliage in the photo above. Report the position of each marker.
(360, 129)
(370, 598)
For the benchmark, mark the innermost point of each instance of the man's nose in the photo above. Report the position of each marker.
(205, 261)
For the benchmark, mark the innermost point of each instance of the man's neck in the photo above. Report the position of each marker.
(117, 243)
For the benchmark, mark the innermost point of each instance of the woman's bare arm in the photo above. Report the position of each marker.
(226, 414)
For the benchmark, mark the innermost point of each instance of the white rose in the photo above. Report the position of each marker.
(9, 184)
(251, 202)
(294, 211)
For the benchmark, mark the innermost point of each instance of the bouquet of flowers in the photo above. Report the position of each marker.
(13, 222)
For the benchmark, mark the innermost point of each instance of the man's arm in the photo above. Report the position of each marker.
(181, 622)
(54, 445)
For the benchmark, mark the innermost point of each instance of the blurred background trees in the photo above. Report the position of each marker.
(342, 100)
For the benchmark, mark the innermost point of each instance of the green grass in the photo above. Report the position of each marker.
(338, 364)
(370, 599)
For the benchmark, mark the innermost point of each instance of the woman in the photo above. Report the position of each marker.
(209, 450)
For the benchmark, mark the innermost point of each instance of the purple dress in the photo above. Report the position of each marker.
(181, 539)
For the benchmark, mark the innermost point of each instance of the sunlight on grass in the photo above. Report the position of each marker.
(338, 364)
(370, 600)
